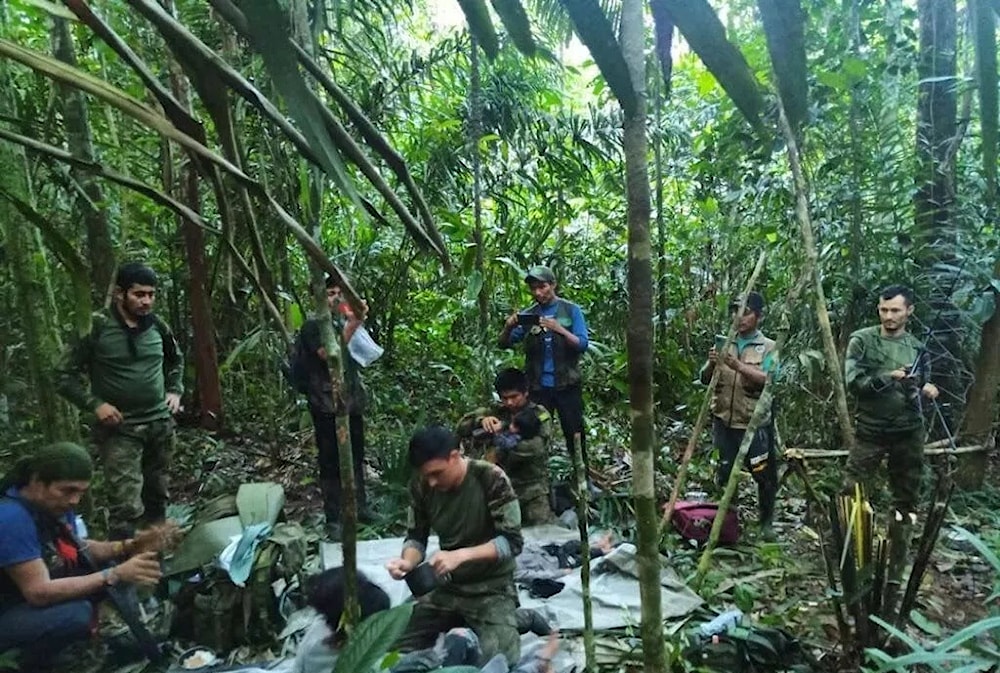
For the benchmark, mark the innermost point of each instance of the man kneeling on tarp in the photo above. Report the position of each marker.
(472, 507)
(47, 592)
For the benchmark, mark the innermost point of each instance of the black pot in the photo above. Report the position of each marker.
(422, 579)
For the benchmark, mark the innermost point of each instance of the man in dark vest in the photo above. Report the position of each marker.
(552, 350)
(744, 370)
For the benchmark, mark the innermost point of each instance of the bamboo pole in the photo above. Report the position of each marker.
(582, 507)
(933, 449)
(811, 259)
(699, 425)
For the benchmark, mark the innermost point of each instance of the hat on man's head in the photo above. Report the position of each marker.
(542, 274)
(755, 302)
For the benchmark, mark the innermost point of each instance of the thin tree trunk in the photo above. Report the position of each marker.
(30, 272)
(475, 133)
(835, 370)
(661, 221)
(206, 362)
(80, 141)
(639, 341)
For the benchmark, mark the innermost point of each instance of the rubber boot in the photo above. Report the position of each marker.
(900, 529)
(767, 495)
(331, 507)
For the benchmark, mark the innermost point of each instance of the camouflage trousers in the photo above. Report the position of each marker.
(536, 509)
(904, 453)
(492, 616)
(135, 458)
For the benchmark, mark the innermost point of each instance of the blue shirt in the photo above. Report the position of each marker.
(579, 329)
(19, 540)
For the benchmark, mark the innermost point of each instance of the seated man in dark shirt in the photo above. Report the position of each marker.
(47, 596)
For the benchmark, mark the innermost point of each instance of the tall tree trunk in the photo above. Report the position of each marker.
(980, 414)
(639, 339)
(206, 360)
(475, 133)
(937, 132)
(89, 206)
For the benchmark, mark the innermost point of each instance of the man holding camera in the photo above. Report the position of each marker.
(554, 333)
(526, 463)
(741, 380)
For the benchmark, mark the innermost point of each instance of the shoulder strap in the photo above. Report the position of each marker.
(167, 336)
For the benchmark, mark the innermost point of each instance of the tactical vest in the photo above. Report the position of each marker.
(735, 397)
(565, 357)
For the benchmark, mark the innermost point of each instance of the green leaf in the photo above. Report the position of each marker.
(988, 554)
(596, 32)
(924, 624)
(372, 639)
(784, 28)
(701, 27)
(515, 20)
(481, 25)
(268, 25)
(834, 80)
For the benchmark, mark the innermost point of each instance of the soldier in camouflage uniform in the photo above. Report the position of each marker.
(888, 418)
(527, 463)
(472, 508)
(887, 406)
(128, 372)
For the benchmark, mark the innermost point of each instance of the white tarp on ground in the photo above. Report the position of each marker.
(614, 586)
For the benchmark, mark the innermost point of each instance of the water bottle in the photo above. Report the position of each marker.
(721, 624)
(696, 496)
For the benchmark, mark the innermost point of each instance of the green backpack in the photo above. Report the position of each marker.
(749, 650)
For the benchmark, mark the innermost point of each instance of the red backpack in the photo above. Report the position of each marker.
(694, 519)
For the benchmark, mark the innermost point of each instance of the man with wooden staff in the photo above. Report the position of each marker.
(745, 365)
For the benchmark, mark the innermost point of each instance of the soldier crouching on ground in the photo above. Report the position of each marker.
(472, 507)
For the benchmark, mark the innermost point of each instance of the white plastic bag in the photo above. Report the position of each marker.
(363, 348)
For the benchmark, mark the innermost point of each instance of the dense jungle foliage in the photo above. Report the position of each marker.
(185, 134)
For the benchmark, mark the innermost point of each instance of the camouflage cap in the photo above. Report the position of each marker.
(540, 273)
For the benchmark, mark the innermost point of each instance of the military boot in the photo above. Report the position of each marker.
(767, 495)
(900, 530)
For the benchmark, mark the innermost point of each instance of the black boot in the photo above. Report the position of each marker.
(767, 495)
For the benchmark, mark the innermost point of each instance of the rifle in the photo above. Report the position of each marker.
(125, 600)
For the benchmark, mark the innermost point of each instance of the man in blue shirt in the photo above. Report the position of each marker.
(47, 593)
(553, 344)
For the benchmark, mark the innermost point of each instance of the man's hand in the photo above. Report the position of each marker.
(552, 325)
(491, 424)
(713, 356)
(930, 391)
(398, 567)
(445, 562)
(174, 402)
(108, 414)
(142, 569)
(321, 354)
(157, 538)
(511, 321)
(898, 374)
(732, 361)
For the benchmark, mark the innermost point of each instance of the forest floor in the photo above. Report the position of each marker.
(781, 583)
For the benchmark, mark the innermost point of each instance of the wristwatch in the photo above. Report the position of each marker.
(110, 577)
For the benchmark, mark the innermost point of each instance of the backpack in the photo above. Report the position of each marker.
(295, 366)
(693, 520)
(754, 649)
(215, 612)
